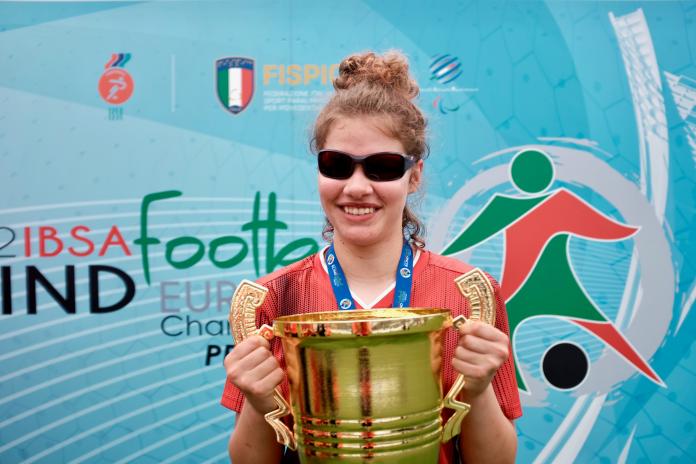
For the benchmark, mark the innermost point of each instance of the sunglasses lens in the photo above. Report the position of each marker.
(335, 165)
(384, 166)
(379, 167)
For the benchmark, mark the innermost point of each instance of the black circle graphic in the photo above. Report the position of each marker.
(565, 365)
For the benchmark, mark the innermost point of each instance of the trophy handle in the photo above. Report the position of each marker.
(461, 409)
(475, 287)
(246, 300)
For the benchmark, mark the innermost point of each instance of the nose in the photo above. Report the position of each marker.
(358, 185)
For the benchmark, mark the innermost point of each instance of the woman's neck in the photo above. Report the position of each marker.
(369, 269)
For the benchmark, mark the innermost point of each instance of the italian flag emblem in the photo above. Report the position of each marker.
(235, 83)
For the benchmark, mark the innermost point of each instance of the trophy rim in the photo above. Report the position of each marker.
(362, 322)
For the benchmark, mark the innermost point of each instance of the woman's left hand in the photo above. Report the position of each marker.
(481, 350)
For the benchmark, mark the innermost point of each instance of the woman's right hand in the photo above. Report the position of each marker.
(253, 369)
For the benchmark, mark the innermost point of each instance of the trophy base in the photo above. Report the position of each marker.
(420, 455)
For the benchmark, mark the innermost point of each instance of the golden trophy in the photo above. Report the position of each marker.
(365, 385)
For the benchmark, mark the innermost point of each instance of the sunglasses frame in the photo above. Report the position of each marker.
(409, 162)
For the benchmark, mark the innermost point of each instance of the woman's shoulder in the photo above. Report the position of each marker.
(296, 288)
(445, 263)
(304, 265)
(449, 267)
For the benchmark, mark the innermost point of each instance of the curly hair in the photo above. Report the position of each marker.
(378, 85)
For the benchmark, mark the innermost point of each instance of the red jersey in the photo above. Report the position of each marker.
(304, 287)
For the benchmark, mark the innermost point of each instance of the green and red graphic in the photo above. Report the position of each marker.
(537, 278)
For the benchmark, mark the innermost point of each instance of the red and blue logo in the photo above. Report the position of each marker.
(115, 84)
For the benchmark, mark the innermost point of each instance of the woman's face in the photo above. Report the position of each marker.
(364, 212)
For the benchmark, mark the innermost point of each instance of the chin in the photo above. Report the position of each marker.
(357, 236)
(360, 240)
(362, 236)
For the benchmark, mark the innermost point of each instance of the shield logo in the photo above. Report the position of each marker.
(235, 82)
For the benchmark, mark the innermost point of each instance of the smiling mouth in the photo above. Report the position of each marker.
(358, 211)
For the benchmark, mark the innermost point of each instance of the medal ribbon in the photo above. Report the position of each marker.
(402, 289)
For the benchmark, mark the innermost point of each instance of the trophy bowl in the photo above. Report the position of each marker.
(365, 385)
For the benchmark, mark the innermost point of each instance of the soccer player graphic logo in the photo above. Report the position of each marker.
(116, 84)
(537, 277)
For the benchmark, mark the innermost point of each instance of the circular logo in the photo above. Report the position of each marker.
(405, 273)
(330, 259)
(345, 303)
(116, 86)
(445, 68)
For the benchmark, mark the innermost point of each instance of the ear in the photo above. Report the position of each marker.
(416, 177)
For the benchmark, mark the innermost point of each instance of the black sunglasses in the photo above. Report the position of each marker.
(380, 167)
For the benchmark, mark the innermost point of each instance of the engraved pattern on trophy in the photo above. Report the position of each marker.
(476, 288)
(247, 298)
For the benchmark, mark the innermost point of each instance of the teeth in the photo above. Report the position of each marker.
(358, 211)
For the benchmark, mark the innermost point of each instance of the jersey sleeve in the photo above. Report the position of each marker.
(504, 382)
(232, 397)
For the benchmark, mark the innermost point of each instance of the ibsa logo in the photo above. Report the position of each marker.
(539, 281)
(116, 84)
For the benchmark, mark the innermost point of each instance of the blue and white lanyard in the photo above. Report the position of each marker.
(402, 290)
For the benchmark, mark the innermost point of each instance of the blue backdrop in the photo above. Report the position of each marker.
(139, 186)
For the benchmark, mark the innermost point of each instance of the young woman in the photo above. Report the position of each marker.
(370, 143)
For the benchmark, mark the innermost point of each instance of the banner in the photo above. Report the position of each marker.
(153, 154)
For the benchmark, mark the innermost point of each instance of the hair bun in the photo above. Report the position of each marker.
(389, 70)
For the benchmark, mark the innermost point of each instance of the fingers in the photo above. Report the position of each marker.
(482, 338)
(478, 370)
(252, 368)
(254, 359)
(475, 345)
(488, 362)
(482, 330)
(470, 370)
(274, 377)
(243, 349)
(249, 345)
(261, 382)
(480, 352)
